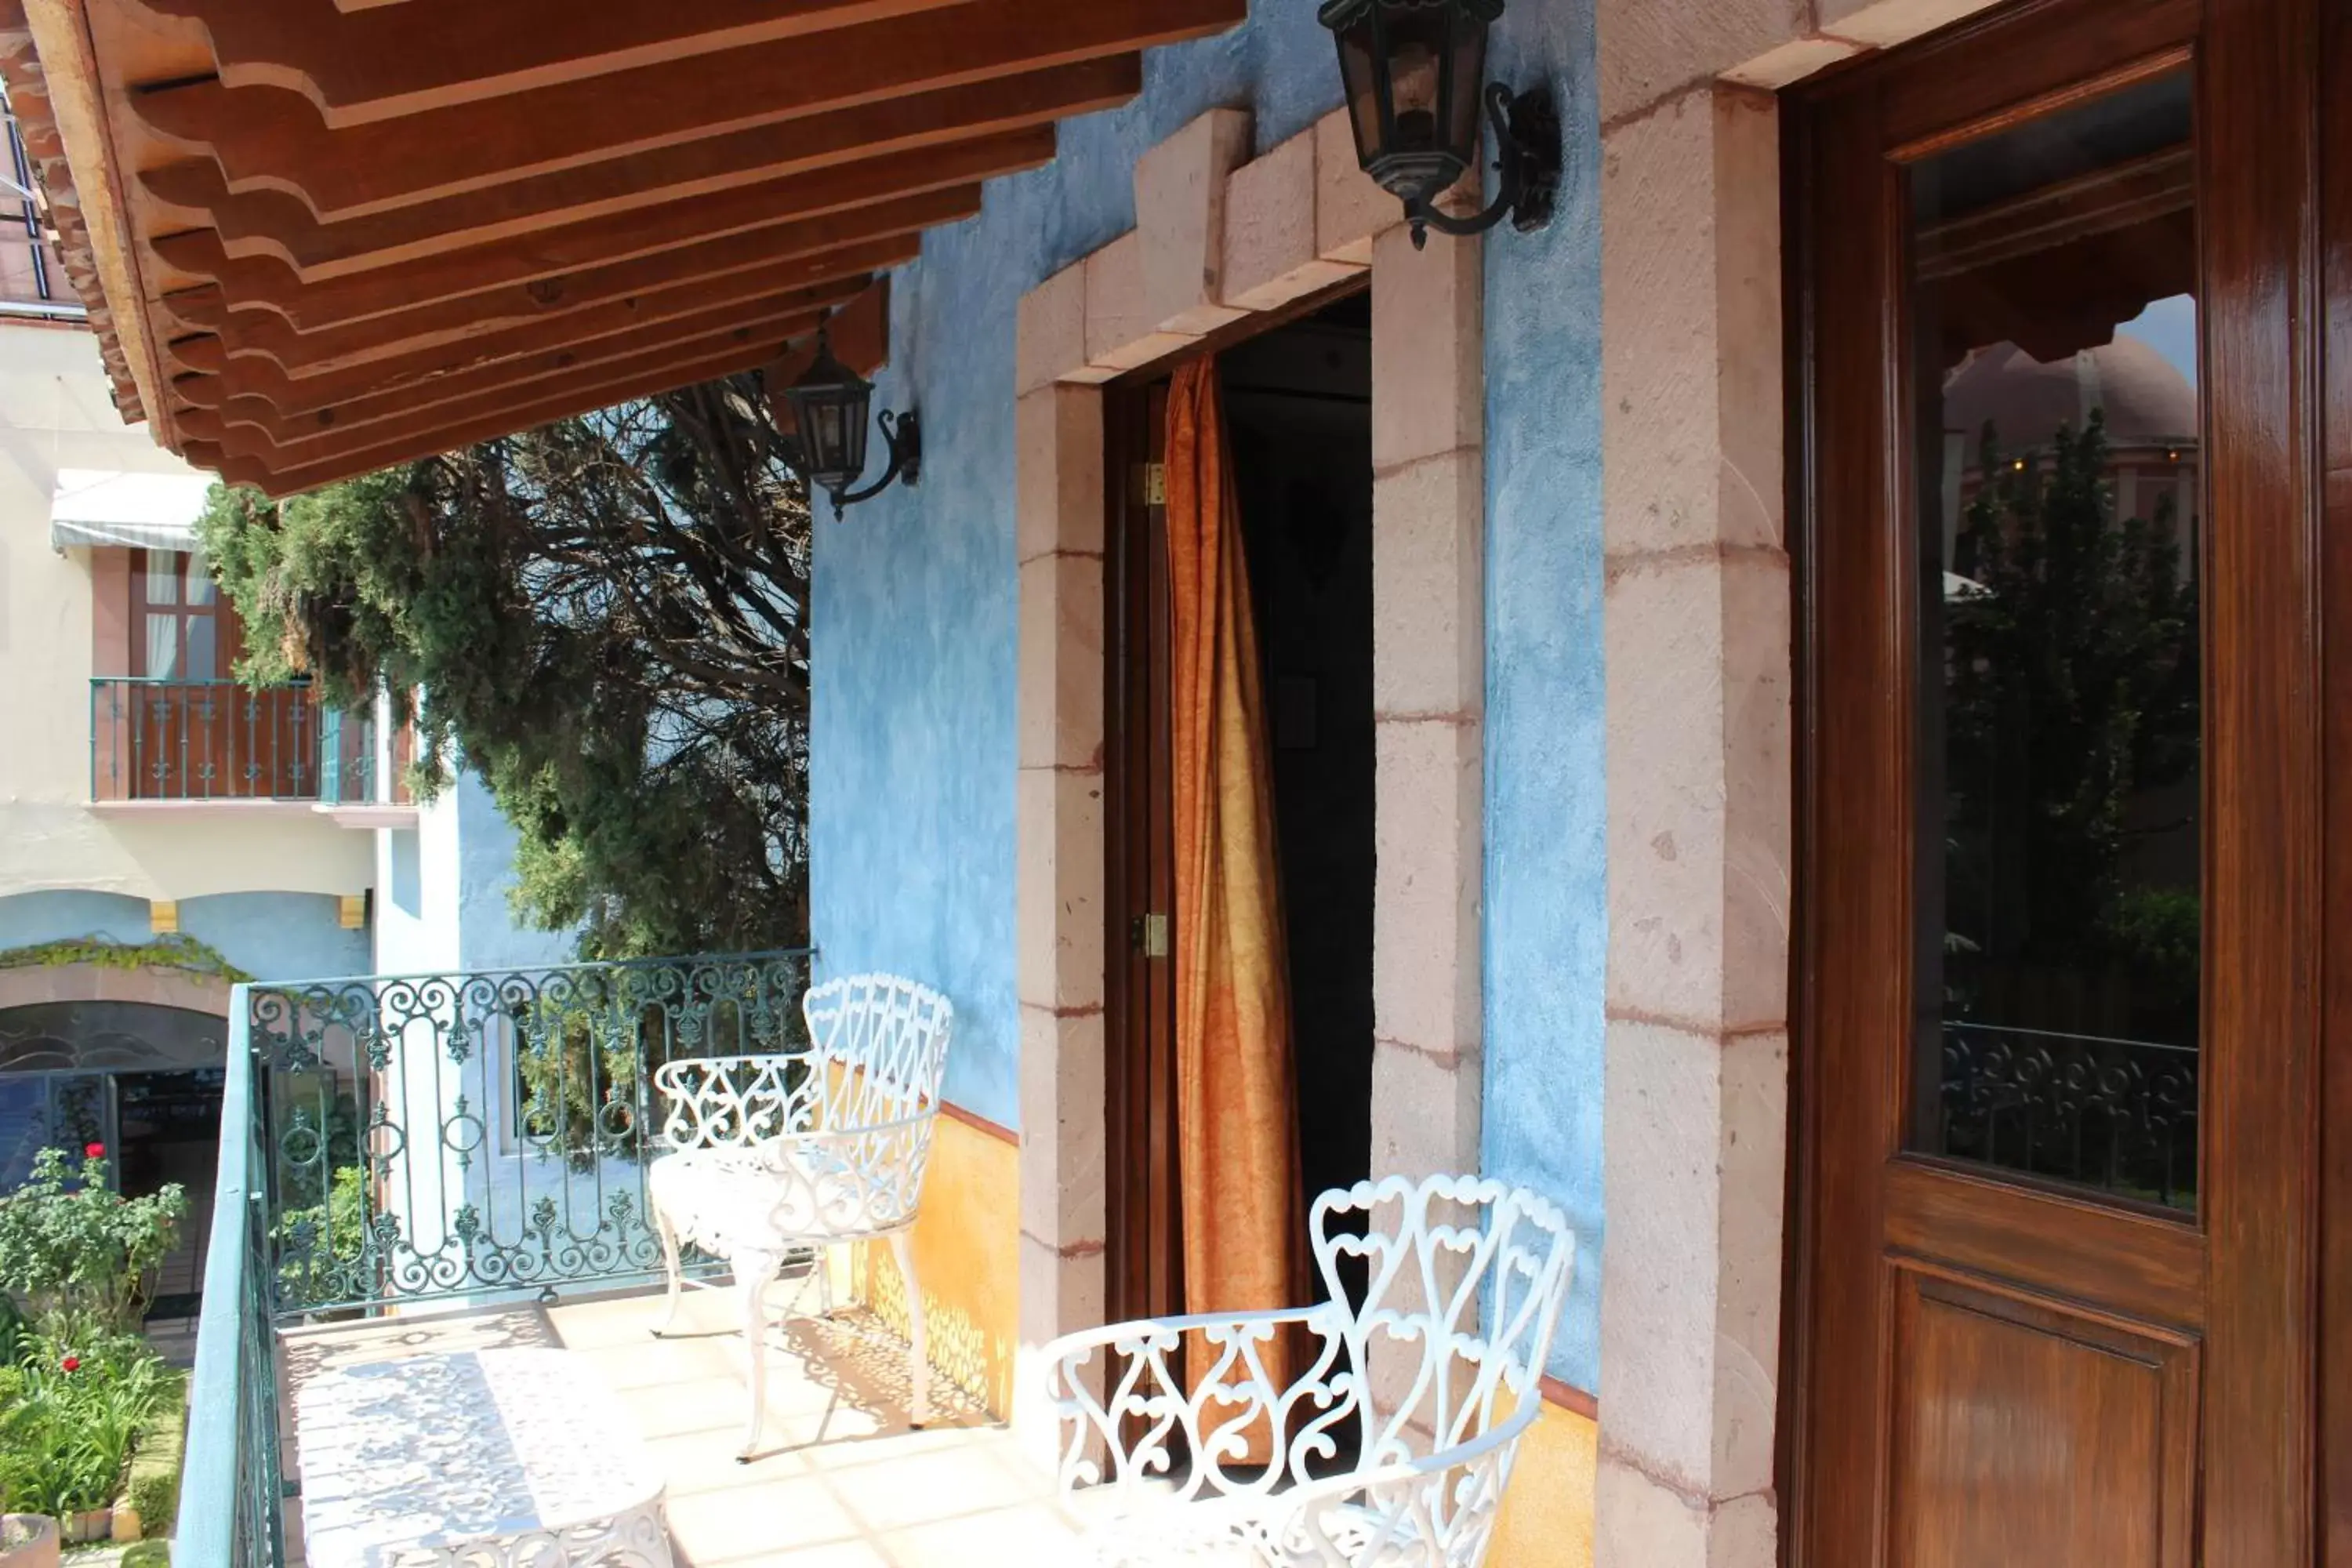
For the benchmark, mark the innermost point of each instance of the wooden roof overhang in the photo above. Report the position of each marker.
(320, 236)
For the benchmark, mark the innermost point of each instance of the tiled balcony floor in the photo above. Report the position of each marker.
(841, 1481)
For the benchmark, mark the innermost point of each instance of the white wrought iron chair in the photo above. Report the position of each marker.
(1392, 1441)
(774, 1154)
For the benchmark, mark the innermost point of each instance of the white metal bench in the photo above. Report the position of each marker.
(493, 1458)
(1390, 1441)
(772, 1154)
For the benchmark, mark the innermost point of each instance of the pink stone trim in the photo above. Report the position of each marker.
(156, 987)
(978, 1124)
(1691, 407)
(1569, 1397)
(1219, 240)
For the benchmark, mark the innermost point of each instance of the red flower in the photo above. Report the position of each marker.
(93, 1151)
(71, 1363)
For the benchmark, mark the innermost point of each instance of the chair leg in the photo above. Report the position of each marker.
(752, 1273)
(670, 1269)
(918, 1360)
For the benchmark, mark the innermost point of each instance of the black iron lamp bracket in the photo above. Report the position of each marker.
(1528, 161)
(903, 432)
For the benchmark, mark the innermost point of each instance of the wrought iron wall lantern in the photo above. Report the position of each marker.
(830, 403)
(1414, 72)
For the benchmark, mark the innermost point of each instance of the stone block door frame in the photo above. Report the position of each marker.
(1221, 238)
(1697, 610)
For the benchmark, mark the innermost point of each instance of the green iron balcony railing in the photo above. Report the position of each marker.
(160, 740)
(402, 1140)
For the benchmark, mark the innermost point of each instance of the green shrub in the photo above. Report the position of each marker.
(148, 1554)
(154, 1488)
(71, 1412)
(70, 1253)
(317, 1244)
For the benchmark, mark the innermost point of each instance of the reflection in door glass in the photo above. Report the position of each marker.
(2057, 936)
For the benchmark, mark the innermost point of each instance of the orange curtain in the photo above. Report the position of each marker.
(1236, 1126)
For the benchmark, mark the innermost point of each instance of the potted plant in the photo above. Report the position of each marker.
(28, 1541)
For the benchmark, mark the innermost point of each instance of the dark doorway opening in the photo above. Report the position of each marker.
(1298, 403)
(170, 1125)
(1298, 414)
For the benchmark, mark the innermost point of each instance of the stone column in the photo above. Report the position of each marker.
(1428, 700)
(1059, 878)
(1698, 622)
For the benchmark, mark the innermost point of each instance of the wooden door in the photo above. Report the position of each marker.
(2059, 947)
(2336, 1112)
(1144, 1241)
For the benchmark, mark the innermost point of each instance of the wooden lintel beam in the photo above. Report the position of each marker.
(253, 383)
(429, 54)
(408, 446)
(796, 260)
(268, 223)
(267, 137)
(830, 200)
(249, 427)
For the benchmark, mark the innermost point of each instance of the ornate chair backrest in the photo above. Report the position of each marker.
(1464, 1279)
(878, 1048)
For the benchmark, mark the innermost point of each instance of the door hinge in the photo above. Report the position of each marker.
(1147, 934)
(1149, 484)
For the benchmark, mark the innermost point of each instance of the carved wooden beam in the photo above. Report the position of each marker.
(826, 205)
(244, 421)
(267, 222)
(270, 138)
(499, 386)
(254, 388)
(405, 445)
(368, 64)
(390, 319)
(451, 322)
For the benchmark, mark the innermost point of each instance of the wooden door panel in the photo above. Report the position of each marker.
(1939, 92)
(2078, 1329)
(2027, 1433)
(2335, 1332)
(2142, 1266)
(1144, 1242)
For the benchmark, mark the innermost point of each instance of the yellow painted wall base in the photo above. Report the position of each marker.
(1547, 1519)
(967, 1256)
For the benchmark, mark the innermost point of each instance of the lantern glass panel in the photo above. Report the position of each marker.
(1413, 71)
(1358, 49)
(1462, 107)
(1416, 45)
(830, 410)
(854, 415)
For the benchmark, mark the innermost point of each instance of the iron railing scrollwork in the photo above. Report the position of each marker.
(447, 1136)
(2115, 1114)
(401, 1139)
(154, 739)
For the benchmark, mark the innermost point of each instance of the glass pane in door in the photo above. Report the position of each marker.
(2056, 889)
(81, 1114)
(24, 1126)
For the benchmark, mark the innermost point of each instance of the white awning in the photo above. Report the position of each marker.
(154, 511)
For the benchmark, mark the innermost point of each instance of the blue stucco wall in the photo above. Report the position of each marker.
(271, 936)
(912, 782)
(914, 623)
(1546, 869)
(442, 900)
